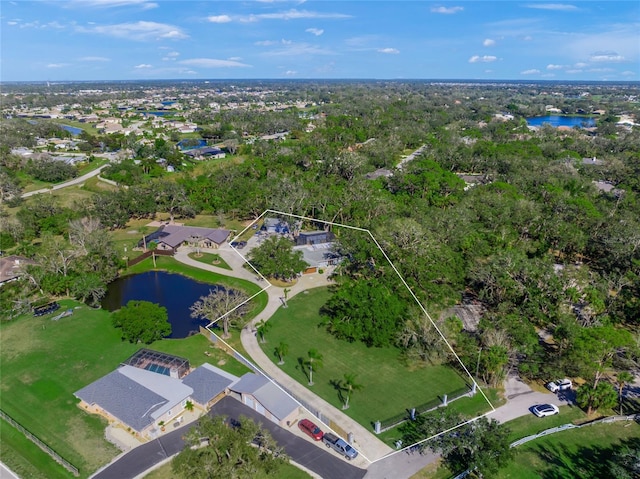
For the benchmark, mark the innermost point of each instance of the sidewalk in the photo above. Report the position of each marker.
(364, 440)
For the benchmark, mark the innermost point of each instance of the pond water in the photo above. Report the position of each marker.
(72, 129)
(559, 120)
(173, 291)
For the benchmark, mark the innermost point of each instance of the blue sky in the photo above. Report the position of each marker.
(55, 40)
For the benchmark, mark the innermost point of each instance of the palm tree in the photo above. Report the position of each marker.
(281, 350)
(262, 327)
(349, 385)
(622, 379)
(313, 362)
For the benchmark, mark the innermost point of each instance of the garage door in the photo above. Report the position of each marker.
(248, 400)
(260, 408)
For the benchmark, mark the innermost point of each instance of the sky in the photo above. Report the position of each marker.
(78, 40)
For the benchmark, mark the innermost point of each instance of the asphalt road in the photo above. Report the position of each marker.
(305, 453)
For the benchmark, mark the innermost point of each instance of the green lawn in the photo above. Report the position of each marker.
(569, 454)
(528, 425)
(210, 258)
(43, 362)
(389, 387)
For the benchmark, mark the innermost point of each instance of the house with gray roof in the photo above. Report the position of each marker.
(137, 398)
(170, 237)
(209, 384)
(262, 395)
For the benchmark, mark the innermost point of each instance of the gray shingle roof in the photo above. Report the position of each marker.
(179, 234)
(207, 382)
(135, 396)
(276, 401)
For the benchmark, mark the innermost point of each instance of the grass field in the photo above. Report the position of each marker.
(210, 258)
(44, 362)
(528, 425)
(388, 386)
(569, 454)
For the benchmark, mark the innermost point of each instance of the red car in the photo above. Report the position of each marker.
(311, 429)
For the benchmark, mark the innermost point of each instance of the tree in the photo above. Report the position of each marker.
(90, 288)
(142, 322)
(348, 385)
(275, 258)
(281, 351)
(594, 348)
(589, 397)
(625, 463)
(365, 311)
(219, 447)
(623, 378)
(263, 327)
(223, 304)
(313, 362)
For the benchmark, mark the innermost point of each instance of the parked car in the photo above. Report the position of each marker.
(311, 429)
(559, 385)
(339, 445)
(542, 410)
(238, 244)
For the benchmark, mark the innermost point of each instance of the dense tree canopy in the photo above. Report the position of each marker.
(142, 322)
(217, 447)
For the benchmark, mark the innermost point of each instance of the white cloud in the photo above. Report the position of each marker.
(574, 70)
(488, 42)
(219, 19)
(628, 73)
(235, 59)
(144, 4)
(212, 63)
(94, 59)
(532, 71)
(13, 22)
(393, 51)
(298, 49)
(581, 65)
(558, 7)
(143, 65)
(57, 65)
(316, 31)
(551, 66)
(140, 31)
(269, 43)
(292, 14)
(482, 59)
(612, 57)
(446, 10)
(290, 72)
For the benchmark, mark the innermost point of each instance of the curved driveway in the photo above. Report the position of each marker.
(365, 441)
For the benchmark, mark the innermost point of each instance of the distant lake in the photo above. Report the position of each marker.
(72, 129)
(558, 120)
(201, 143)
(159, 113)
(173, 291)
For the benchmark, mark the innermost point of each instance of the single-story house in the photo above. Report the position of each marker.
(209, 384)
(138, 398)
(262, 395)
(171, 237)
(314, 237)
(11, 267)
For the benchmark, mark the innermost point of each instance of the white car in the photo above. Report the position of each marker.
(559, 385)
(542, 410)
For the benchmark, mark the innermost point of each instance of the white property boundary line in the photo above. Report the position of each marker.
(422, 308)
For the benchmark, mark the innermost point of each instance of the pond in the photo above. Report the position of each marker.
(72, 129)
(173, 291)
(559, 120)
